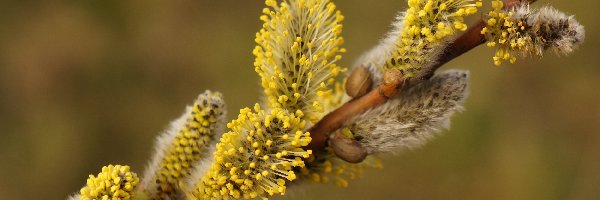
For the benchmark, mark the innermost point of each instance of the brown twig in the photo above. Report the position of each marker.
(379, 95)
(334, 120)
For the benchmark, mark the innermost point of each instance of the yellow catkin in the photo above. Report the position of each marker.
(426, 26)
(187, 146)
(296, 54)
(257, 157)
(521, 31)
(506, 33)
(114, 182)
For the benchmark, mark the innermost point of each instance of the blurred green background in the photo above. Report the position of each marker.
(89, 83)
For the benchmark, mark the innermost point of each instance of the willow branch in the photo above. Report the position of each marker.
(379, 95)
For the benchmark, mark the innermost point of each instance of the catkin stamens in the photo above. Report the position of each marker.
(296, 54)
(183, 146)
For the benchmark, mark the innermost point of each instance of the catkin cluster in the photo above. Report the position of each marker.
(265, 149)
(296, 52)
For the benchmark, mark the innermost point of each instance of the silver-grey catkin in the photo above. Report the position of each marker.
(413, 117)
(555, 31)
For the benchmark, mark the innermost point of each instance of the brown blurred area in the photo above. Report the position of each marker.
(89, 83)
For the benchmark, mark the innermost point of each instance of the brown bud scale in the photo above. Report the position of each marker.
(347, 149)
(359, 82)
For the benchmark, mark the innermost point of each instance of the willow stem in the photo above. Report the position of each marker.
(380, 94)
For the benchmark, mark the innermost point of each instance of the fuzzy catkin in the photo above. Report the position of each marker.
(418, 37)
(296, 54)
(114, 182)
(557, 31)
(256, 157)
(522, 31)
(183, 145)
(413, 117)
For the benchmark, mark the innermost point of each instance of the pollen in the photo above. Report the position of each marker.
(114, 182)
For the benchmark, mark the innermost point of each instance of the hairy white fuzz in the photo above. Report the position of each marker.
(414, 117)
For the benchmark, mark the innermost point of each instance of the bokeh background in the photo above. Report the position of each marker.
(89, 83)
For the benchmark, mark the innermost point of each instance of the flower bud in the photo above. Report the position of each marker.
(346, 148)
(359, 82)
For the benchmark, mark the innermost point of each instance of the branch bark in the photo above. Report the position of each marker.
(334, 120)
(390, 88)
